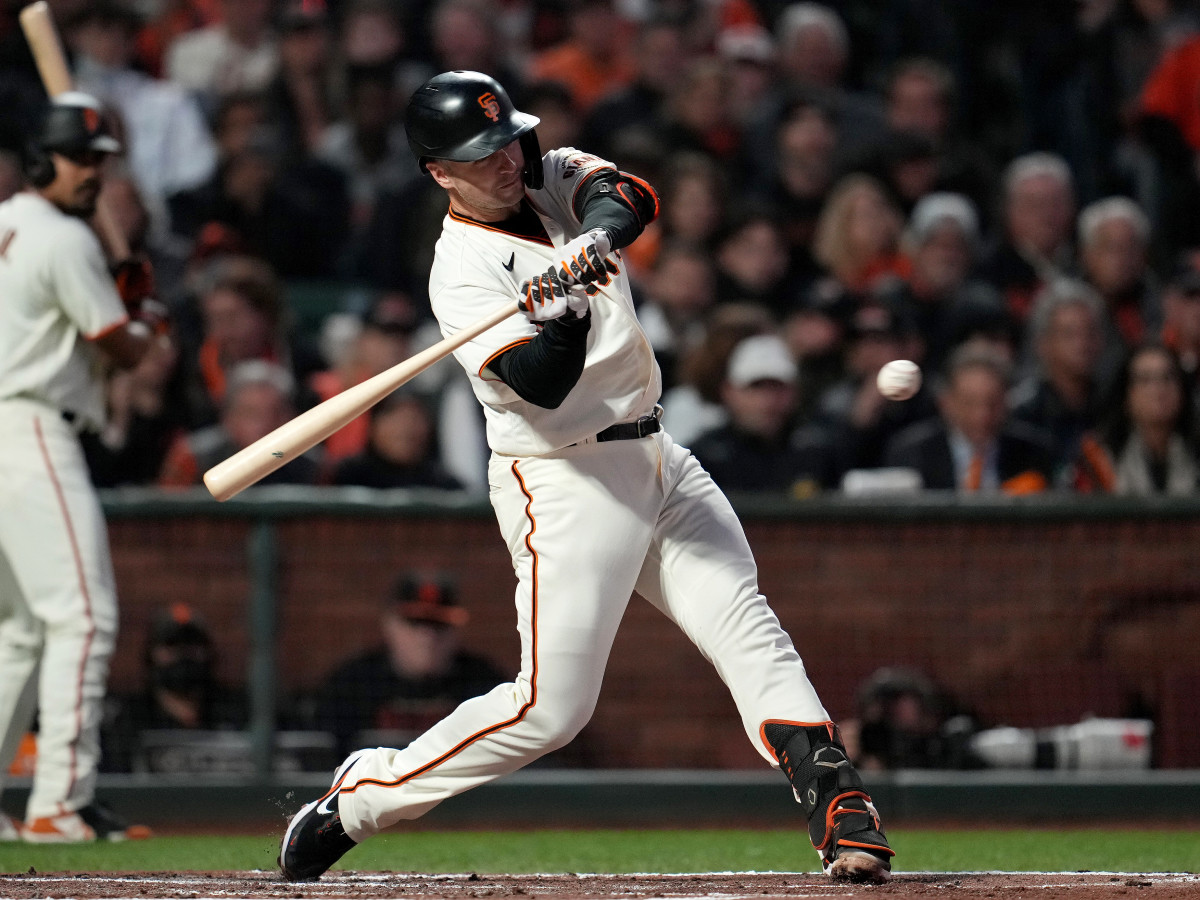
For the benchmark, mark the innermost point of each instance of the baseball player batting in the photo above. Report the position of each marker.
(61, 313)
(593, 498)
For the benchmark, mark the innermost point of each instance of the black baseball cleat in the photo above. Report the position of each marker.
(315, 838)
(842, 822)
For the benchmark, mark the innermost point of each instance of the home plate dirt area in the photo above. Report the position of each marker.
(719, 886)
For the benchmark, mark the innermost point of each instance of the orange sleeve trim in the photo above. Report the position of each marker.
(105, 332)
(646, 185)
(491, 359)
(762, 731)
(499, 726)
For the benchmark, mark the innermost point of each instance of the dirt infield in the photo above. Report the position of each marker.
(720, 886)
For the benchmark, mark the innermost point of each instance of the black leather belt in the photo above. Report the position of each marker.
(631, 431)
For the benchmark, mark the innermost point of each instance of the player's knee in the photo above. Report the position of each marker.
(558, 727)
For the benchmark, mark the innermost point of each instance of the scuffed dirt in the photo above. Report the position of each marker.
(730, 886)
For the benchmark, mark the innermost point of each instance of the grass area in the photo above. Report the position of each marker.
(638, 851)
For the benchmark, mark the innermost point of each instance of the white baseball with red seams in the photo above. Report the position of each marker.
(899, 380)
(587, 523)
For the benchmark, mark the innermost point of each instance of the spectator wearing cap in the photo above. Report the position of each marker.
(973, 444)
(754, 451)
(412, 680)
(1037, 221)
(940, 298)
(856, 419)
(181, 690)
(1114, 245)
(258, 398)
(169, 147)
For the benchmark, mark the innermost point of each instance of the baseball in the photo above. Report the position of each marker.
(899, 379)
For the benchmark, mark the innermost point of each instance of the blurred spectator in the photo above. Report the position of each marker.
(857, 239)
(181, 692)
(243, 317)
(464, 37)
(368, 146)
(168, 147)
(169, 20)
(1064, 396)
(1181, 318)
(401, 450)
(660, 58)
(1151, 434)
(382, 339)
(857, 419)
(1114, 242)
(921, 98)
(561, 124)
(299, 96)
(699, 116)
(694, 405)
(595, 60)
(753, 451)
(417, 676)
(749, 53)
(679, 293)
(256, 401)
(805, 141)
(294, 213)
(752, 260)
(974, 444)
(693, 194)
(940, 300)
(145, 415)
(1038, 215)
(238, 53)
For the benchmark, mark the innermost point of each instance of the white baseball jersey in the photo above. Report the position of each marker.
(587, 523)
(58, 606)
(477, 268)
(57, 297)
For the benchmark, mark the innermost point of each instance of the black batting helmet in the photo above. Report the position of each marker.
(465, 116)
(73, 123)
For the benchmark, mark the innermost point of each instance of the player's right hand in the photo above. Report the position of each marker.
(545, 297)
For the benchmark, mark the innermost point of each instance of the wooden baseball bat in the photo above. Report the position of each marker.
(308, 429)
(38, 25)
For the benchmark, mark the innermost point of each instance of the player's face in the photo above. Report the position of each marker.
(76, 182)
(488, 189)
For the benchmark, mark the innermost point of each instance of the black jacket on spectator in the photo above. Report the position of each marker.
(926, 448)
(739, 461)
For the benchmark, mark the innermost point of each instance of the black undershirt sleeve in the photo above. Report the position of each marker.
(543, 371)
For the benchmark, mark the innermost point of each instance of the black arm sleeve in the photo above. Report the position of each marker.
(543, 371)
(620, 203)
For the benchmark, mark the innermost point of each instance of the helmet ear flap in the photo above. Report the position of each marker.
(39, 167)
(533, 174)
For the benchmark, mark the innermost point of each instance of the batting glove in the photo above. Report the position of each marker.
(545, 298)
(582, 260)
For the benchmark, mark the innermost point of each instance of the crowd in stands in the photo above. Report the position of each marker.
(1006, 193)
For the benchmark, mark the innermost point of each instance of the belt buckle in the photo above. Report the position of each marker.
(649, 422)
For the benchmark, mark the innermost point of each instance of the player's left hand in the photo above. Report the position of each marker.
(582, 260)
(135, 280)
(546, 297)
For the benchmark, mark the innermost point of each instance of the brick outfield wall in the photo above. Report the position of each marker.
(1033, 622)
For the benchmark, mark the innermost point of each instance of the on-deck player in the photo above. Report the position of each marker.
(594, 500)
(61, 314)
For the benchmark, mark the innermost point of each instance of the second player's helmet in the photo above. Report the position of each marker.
(73, 123)
(465, 116)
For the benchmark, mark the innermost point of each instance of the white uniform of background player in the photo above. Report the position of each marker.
(587, 522)
(58, 607)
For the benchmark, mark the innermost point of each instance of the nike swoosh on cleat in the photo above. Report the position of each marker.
(511, 261)
(323, 806)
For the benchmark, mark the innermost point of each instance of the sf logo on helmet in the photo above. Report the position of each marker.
(491, 106)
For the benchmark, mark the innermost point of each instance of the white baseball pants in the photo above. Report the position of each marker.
(58, 606)
(586, 526)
